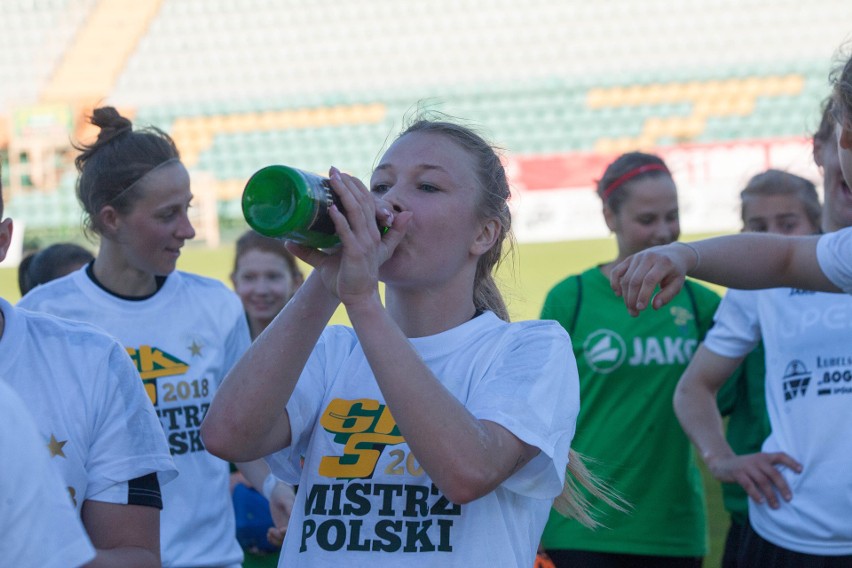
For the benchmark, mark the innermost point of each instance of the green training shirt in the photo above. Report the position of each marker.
(629, 368)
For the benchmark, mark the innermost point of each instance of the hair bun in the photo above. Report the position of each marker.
(110, 122)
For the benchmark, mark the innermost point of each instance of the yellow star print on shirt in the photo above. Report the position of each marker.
(55, 447)
(195, 348)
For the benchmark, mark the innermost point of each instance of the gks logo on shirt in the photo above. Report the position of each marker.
(356, 515)
(363, 427)
(181, 404)
(152, 363)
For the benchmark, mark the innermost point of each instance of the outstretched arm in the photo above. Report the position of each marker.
(696, 409)
(746, 260)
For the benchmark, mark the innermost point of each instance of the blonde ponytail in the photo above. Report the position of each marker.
(574, 504)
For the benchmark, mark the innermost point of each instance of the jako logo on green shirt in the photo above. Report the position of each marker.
(604, 351)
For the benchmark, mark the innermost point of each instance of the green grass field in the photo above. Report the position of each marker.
(525, 278)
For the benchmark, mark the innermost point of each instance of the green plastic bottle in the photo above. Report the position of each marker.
(288, 203)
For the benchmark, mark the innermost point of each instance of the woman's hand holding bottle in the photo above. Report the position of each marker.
(350, 271)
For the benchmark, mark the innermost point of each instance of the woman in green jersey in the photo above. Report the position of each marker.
(628, 371)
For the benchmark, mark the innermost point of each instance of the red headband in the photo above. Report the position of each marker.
(632, 174)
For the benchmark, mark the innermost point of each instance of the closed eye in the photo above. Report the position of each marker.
(170, 214)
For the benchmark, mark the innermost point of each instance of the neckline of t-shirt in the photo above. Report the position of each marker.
(160, 281)
(451, 339)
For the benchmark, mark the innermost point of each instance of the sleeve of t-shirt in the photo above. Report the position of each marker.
(532, 390)
(39, 525)
(127, 440)
(736, 331)
(834, 254)
(144, 491)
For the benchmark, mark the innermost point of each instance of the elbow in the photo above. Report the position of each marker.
(229, 440)
(216, 440)
(460, 494)
(462, 487)
(691, 383)
(678, 397)
(692, 395)
(680, 400)
(467, 476)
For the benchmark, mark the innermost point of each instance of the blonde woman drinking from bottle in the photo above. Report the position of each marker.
(433, 431)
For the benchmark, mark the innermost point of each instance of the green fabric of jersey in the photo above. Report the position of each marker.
(629, 368)
(743, 400)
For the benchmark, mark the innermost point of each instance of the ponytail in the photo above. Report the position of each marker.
(574, 504)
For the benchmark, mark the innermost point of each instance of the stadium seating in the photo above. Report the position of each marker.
(243, 84)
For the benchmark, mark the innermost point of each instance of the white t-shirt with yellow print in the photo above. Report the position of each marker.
(363, 499)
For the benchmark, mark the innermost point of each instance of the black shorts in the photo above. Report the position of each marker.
(757, 552)
(589, 559)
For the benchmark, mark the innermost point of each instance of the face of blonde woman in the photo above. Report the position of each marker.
(781, 214)
(264, 283)
(647, 217)
(433, 177)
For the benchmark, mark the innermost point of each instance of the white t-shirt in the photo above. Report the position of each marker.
(39, 527)
(364, 500)
(806, 336)
(834, 254)
(91, 411)
(183, 339)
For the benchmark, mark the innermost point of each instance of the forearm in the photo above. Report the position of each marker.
(757, 260)
(255, 472)
(700, 419)
(457, 450)
(247, 419)
(695, 403)
(280, 495)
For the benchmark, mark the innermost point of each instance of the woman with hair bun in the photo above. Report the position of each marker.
(183, 331)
